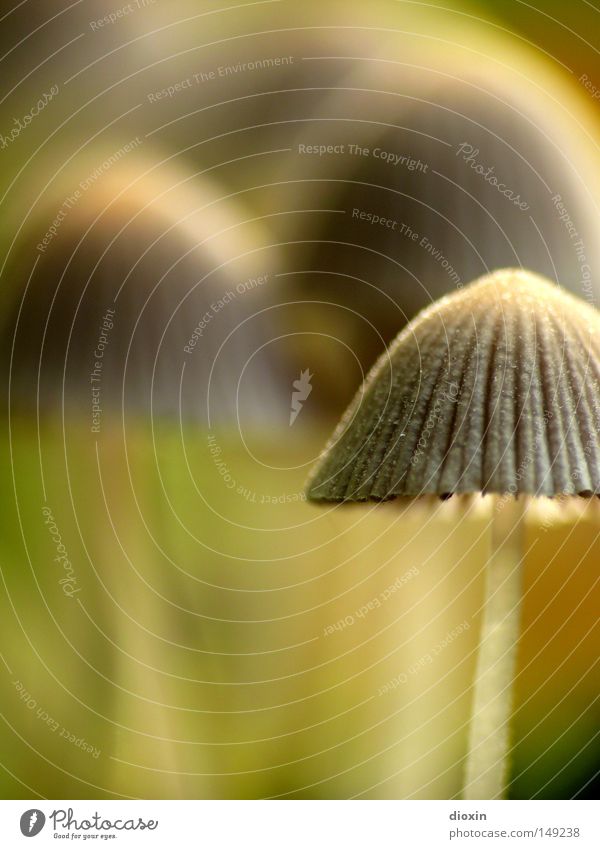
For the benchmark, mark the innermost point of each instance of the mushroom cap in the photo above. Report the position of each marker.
(493, 389)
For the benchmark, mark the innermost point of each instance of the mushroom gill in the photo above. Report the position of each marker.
(493, 389)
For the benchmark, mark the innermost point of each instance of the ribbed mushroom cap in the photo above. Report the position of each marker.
(494, 388)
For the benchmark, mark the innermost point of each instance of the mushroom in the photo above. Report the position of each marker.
(493, 389)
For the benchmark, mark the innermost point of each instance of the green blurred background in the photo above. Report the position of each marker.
(212, 635)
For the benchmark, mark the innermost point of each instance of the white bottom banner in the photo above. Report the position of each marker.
(302, 824)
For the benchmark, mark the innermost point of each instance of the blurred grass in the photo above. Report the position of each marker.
(195, 657)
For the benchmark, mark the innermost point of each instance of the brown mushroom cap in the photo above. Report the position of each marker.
(494, 389)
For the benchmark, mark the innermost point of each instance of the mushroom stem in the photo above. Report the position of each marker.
(488, 748)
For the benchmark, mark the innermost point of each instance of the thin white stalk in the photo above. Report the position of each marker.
(487, 763)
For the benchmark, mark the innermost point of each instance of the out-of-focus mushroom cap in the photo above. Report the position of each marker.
(494, 388)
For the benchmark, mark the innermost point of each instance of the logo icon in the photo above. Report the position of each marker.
(32, 822)
(303, 389)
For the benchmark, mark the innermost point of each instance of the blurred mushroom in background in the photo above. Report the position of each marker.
(222, 645)
(150, 293)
